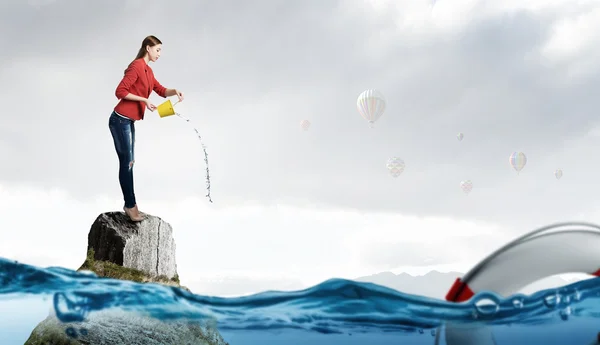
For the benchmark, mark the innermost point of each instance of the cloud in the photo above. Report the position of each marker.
(573, 43)
(239, 249)
(424, 242)
(511, 75)
(480, 75)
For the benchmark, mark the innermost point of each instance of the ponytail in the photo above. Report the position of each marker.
(148, 41)
(140, 54)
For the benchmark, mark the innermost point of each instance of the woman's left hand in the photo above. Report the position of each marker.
(180, 95)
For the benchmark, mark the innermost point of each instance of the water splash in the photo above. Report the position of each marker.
(336, 306)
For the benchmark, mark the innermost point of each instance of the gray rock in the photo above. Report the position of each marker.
(140, 251)
(147, 246)
(116, 327)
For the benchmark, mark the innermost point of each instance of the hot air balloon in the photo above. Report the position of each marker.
(396, 166)
(558, 174)
(371, 105)
(466, 186)
(305, 124)
(517, 160)
(460, 136)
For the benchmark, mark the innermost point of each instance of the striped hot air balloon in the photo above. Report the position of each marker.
(305, 124)
(466, 186)
(371, 105)
(517, 160)
(395, 166)
(558, 174)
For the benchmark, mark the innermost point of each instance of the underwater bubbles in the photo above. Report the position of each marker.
(71, 332)
(565, 313)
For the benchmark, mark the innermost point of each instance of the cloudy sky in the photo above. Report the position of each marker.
(292, 208)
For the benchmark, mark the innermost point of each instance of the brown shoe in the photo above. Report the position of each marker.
(133, 214)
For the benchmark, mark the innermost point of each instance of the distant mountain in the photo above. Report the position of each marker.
(433, 284)
(242, 286)
(436, 284)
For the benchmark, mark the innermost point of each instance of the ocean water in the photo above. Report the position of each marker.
(335, 312)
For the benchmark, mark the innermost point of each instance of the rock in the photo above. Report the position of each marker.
(147, 246)
(116, 327)
(111, 270)
(141, 252)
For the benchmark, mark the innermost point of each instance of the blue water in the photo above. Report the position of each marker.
(335, 312)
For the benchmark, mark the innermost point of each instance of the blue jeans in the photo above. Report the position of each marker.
(123, 133)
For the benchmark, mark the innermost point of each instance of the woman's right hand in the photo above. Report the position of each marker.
(149, 105)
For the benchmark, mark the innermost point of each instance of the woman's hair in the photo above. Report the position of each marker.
(148, 41)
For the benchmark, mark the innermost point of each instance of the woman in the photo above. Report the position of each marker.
(133, 92)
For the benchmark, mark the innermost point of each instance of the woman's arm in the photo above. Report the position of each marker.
(170, 92)
(164, 92)
(159, 89)
(132, 97)
(175, 92)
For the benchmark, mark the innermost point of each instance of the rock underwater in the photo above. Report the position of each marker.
(137, 251)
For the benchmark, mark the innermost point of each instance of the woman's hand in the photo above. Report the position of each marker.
(179, 95)
(149, 105)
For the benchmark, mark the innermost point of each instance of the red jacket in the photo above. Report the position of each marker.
(138, 80)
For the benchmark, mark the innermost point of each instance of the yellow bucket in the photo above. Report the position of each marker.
(166, 109)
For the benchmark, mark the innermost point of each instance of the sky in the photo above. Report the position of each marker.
(291, 207)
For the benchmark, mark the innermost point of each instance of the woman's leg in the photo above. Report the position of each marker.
(130, 175)
(123, 134)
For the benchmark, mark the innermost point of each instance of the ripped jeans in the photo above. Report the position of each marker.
(123, 133)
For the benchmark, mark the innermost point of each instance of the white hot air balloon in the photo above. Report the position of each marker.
(395, 166)
(466, 186)
(460, 136)
(371, 105)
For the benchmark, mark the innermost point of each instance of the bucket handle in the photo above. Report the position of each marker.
(176, 113)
